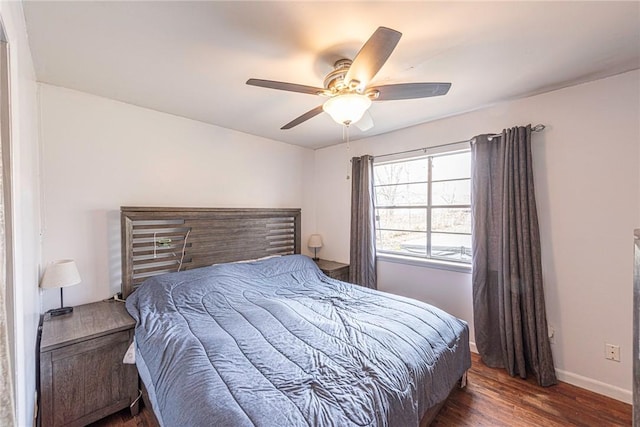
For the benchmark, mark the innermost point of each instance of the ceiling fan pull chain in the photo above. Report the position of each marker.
(345, 131)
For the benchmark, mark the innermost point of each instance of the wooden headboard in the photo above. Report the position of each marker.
(163, 240)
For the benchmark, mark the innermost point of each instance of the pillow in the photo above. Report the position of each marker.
(130, 356)
(249, 260)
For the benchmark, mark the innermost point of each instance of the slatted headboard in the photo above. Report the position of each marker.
(163, 240)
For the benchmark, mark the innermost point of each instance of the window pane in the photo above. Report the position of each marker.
(451, 220)
(402, 219)
(451, 166)
(401, 172)
(402, 207)
(454, 247)
(451, 193)
(401, 195)
(404, 242)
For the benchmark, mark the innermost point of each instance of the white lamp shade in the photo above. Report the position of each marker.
(347, 109)
(315, 241)
(60, 274)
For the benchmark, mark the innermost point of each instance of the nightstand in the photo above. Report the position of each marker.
(82, 377)
(334, 269)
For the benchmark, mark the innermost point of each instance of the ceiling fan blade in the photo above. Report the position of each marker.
(373, 55)
(291, 87)
(303, 118)
(365, 123)
(410, 91)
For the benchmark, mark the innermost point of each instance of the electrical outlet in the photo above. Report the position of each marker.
(612, 352)
(551, 332)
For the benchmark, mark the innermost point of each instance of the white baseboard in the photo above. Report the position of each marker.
(595, 386)
(586, 383)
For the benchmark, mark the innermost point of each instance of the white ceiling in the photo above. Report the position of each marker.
(192, 59)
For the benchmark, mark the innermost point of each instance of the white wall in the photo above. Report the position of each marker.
(25, 208)
(100, 154)
(587, 187)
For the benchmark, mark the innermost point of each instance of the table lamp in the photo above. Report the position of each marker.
(60, 274)
(315, 242)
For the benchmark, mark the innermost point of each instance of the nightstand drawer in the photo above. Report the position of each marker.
(341, 274)
(90, 345)
(335, 270)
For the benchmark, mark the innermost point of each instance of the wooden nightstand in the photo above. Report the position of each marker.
(82, 377)
(334, 269)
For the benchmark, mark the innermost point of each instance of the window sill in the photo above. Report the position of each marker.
(423, 262)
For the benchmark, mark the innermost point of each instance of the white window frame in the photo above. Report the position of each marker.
(426, 260)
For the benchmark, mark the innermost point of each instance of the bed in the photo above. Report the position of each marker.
(274, 341)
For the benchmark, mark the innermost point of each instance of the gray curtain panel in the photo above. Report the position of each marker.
(362, 269)
(508, 297)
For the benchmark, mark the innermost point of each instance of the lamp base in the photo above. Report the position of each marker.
(315, 255)
(60, 311)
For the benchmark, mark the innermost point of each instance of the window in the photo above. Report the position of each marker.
(423, 207)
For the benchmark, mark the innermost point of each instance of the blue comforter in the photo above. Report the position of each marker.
(278, 343)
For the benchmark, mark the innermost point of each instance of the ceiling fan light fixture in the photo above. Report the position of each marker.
(348, 85)
(348, 108)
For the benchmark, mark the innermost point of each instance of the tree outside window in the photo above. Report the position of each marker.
(423, 207)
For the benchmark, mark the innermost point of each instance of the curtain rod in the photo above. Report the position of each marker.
(536, 128)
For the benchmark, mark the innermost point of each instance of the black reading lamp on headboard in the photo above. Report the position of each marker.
(60, 274)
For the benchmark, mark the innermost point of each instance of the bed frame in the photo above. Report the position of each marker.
(162, 240)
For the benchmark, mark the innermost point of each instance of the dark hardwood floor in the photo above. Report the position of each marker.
(492, 398)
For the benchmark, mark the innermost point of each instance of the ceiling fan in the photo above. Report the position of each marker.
(348, 85)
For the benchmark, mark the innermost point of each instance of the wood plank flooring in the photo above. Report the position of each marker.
(492, 398)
